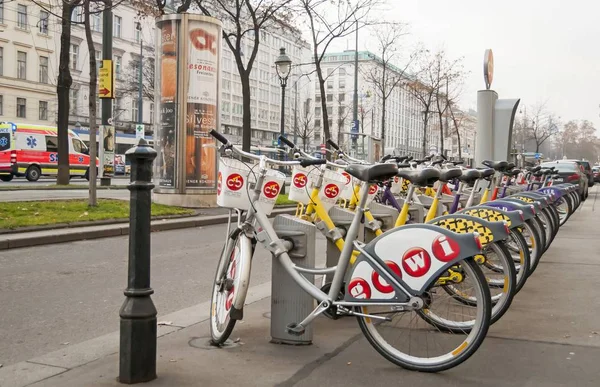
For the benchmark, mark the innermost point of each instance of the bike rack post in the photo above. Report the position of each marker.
(342, 218)
(289, 303)
(385, 216)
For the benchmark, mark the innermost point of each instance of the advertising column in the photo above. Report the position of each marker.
(204, 46)
(166, 133)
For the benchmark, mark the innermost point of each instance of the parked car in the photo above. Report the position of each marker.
(570, 171)
(596, 173)
(587, 169)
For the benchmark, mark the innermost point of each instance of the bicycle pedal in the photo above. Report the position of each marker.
(295, 329)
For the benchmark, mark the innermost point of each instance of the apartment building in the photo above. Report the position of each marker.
(404, 121)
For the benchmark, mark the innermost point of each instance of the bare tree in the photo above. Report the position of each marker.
(457, 118)
(242, 22)
(419, 87)
(63, 87)
(542, 127)
(92, 104)
(327, 21)
(306, 123)
(131, 76)
(382, 74)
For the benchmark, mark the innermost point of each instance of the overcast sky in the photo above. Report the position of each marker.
(544, 51)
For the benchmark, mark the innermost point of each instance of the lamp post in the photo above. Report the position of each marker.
(283, 66)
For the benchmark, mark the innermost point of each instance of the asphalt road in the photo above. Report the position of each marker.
(69, 293)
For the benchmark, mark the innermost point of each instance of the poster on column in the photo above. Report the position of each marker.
(203, 75)
(166, 133)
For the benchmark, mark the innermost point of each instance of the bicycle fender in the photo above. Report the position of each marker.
(462, 223)
(529, 198)
(537, 206)
(410, 257)
(556, 193)
(528, 210)
(491, 214)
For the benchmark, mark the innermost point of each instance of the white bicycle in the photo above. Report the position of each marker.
(394, 285)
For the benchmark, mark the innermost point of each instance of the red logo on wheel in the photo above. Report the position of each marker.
(445, 248)
(347, 176)
(359, 289)
(235, 181)
(381, 284)
(416, 262)
(271, 189)
(331, 191)
(300, 180)
(219, 182)
(373, 189)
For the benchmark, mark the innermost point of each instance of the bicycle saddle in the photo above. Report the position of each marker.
(510, 166)
(372, 173)
(422, 178)
(534, 169)
(450, 174)
(556, 176)
(513, 172)
(485, 173)
(499, 166)
(469, 176)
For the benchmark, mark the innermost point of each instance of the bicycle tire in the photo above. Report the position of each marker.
(466, 349)
(524, 258)
(227, 292)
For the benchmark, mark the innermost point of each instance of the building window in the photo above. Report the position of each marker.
(73, 97)
(330, 84)
(1, 61)
(2, 12)
(342, 83)
(21, 65)
(22, 16)
(138, 32)
(21, 107)
(44, 17)
(77, 15)
(151, 112)
(317, 112)
(117, 26)
(134, 110)
(342, 97)
(43, 69)
(43, 110)
(74, 54)
(118, 65)
(97, 22)
(342, 72)
(98, 55)
(329, 97)
(1, 105)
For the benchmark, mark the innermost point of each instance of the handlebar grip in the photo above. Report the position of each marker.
(459, 162)
(309, 162)
(437, 162)
(287, 142)
(386, 158)
(409, 158)
(487, 163)
(219, 137)
(333, 144)
(403, 165)
(428, 158)
(444, 157)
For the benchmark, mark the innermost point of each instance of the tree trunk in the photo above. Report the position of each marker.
(458, 137)
(537, 147)
(383, 101)
(246, 114)
(92, 107)
(325, 115)
(424, 141)
(63, 86)
(441, 150)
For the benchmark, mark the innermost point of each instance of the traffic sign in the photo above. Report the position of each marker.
(139, 131)
(106, 80)
(537, 155)
(354, 129)
(323, 147)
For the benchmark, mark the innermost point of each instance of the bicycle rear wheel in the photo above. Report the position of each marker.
(414, 340)
(230, 286)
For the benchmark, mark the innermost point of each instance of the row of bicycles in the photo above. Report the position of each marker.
(428, 285)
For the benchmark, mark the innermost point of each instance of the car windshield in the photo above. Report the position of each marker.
(561, 167)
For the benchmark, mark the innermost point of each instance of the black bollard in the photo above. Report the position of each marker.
(137, 351)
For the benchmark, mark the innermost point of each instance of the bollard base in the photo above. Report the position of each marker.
(104, 181)
(137, 360)
(293, 343)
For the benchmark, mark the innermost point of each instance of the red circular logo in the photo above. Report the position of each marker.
(331, 191)
(219, 182)
(373, 189)
(416, 262)
(381, 284)
(445, 248)
(229, 300)
(300, 180)
(359, 289)
(235, 181)
(271, 189)
(347, 176)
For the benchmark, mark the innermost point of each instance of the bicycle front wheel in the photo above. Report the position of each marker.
(230, 286)
(413, 339)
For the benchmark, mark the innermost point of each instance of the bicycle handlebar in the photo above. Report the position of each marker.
(333, 145)
(287, 142)
(309, 162)
(222, 139)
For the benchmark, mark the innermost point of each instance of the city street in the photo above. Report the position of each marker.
(53, 296)
(47, 181)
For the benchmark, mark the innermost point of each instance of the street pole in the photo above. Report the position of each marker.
(282, 124)
(137, 349)
(355, 100)
(140, 98)
(296, 112)
(107, 48)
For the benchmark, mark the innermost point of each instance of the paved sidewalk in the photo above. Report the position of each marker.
(549, 337)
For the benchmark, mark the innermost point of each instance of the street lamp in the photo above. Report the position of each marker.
(283, 66)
